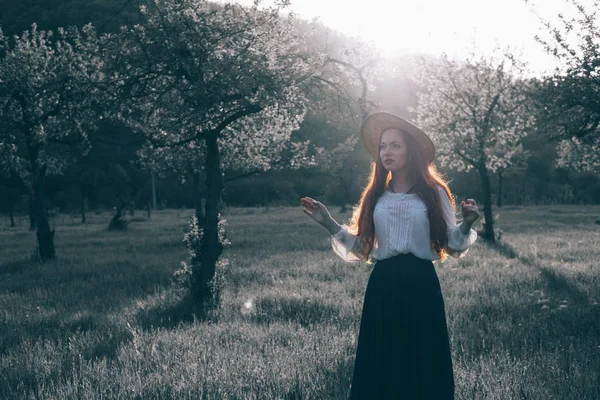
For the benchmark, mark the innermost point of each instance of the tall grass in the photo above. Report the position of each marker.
(103, 321)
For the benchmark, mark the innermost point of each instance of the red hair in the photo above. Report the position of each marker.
(426, 180)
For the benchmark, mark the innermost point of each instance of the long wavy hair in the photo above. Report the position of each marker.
(426, 178)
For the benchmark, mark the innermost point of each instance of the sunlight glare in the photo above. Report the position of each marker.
(248, 306)
(455, 27)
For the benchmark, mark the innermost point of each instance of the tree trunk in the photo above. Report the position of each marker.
(488, 226)
(203, 272)
(266, 200)
(500, 188)
(116, 223)
(343, 207)
(346, 183)
(32, 224)
(82, 208)
(12, 216)
(45, 236)
(199, 197)
(153, 193)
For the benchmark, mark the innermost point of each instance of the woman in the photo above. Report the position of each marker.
(404, 221)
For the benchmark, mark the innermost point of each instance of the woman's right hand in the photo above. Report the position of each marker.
(316, 210)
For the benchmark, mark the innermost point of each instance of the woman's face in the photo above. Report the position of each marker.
(392, 150)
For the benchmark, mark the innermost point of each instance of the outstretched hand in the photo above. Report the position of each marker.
(470, 211)
(315, 209)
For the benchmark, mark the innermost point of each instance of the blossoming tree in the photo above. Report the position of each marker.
(46, 107)
(476, 112)
(570, 99)
(213, 87)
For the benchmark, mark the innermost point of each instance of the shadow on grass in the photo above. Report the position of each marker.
(18, 266)
(304, 311)
(526, 326)
(92, 336)
(166, 314)
(66, 299)
(558, 283)
(554, 280)
(504, 248)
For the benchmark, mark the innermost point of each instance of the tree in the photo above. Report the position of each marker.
(569, 101)
(46, 107)
(579, 156)
(351, 69)
(342, 169)
(218, 87)
(518, 157)
(476, 113)
(11, 186)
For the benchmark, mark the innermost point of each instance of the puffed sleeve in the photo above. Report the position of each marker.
(346, 245)
(458, 244)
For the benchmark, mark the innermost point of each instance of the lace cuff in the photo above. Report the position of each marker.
(346, 245)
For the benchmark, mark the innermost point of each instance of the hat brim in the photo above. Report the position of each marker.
(378, 122)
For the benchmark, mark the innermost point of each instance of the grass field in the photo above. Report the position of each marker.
(102, 321)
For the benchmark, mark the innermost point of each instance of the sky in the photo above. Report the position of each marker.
(435, 26)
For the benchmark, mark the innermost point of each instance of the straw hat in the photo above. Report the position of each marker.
(378, 122)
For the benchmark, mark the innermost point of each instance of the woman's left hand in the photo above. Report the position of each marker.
(470, 212)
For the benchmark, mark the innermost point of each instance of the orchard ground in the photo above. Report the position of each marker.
(103, 320)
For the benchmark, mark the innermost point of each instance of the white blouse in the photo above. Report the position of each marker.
(402, 226)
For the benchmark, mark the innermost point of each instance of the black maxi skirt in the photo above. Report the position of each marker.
(403, 349)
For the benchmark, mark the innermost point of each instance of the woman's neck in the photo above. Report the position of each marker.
(400, 181)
